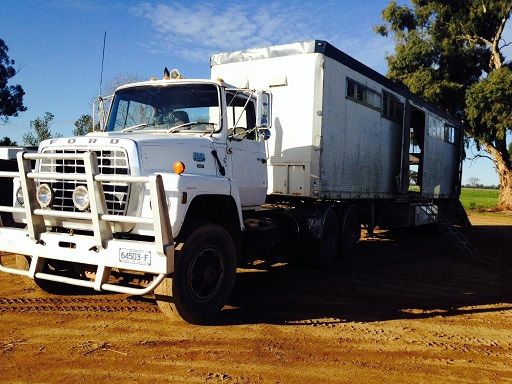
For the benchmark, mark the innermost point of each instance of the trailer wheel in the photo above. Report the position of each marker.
(328, 242)
(350, 232)
(23, 262)
(203, 277)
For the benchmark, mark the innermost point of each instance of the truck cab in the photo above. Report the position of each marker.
(202, 142)
(200, 135)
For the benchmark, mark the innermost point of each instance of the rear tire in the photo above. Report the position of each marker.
(329, 241)
(203, 277)
(350, 232)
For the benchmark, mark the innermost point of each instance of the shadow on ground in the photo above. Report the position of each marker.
(394, 276)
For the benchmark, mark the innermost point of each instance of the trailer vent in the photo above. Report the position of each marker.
(110, 162)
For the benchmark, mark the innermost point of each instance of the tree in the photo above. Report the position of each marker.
(118, 80)
(451, 53)
(41, 129)
(7, 142)
(100, 109)
(473, 182)
(413, 177)
(11, 96)
(83, 125)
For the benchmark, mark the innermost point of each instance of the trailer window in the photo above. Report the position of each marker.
(441, 130)
(449, 134)
(392, 107)
(362, 94)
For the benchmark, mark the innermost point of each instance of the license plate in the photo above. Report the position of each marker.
(134, 256)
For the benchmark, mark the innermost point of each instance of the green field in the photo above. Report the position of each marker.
(476, 198)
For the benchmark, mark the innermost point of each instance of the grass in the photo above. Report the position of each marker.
(476, 198)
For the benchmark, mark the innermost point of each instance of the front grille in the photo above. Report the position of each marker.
(110, 162)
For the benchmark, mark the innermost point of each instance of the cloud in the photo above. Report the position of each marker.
(195, 31)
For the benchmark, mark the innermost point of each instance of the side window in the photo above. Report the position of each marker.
(241, 116)
(363, 95)
(131, 113)
(392, 107)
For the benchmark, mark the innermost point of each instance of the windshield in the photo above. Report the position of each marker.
(173, 108)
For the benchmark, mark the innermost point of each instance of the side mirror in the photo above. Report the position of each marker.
(100, 109)
(264, 134)
(263, 110)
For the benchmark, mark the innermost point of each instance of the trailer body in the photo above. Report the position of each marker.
(342, 130)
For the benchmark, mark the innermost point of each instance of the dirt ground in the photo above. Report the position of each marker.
(409, 309)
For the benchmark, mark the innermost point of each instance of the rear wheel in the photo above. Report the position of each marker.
(203, 277)
(328, 243)
(350, 232)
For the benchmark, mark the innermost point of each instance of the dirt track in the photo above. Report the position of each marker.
(410, 308)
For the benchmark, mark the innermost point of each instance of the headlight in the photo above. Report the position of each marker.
(81, 198)
(19, 197)
(44, 195)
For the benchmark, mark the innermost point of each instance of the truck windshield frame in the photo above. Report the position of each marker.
(187, 107)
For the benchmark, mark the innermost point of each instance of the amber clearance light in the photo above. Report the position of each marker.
(178, 167)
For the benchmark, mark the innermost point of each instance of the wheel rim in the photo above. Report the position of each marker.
(206, 274)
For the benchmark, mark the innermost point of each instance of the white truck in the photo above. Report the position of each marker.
(283, 154)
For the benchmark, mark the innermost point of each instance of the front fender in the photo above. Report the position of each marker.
(180, 191)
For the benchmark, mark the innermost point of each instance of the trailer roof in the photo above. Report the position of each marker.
(327, 49)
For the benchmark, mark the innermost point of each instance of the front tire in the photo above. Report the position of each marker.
(203, 277)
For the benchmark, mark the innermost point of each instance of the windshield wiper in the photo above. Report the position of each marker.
(188, 126)
(135, 127)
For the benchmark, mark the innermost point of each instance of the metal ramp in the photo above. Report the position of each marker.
(460, 240)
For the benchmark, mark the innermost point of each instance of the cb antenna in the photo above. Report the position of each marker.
(102, 61)
(97, 105)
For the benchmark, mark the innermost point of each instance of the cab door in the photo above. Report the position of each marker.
(246, 151)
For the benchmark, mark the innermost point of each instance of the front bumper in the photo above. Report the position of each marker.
(99, 249)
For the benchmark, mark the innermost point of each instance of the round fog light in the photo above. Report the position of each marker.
(44, 195)
(81, 198)
(19, 197)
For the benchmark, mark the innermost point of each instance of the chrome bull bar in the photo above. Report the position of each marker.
(101, 249)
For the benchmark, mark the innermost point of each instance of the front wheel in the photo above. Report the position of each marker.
(203, 277)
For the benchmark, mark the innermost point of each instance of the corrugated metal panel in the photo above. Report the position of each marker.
(440, 162)
(360, 154)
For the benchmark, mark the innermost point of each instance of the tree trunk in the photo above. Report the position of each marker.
(505, 197)
(503, 165)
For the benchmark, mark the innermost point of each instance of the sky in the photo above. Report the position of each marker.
(57, 46)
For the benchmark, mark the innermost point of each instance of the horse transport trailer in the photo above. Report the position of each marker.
(282, 155)
(343, 132)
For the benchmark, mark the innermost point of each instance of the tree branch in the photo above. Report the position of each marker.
(505, 45)
(477, 39)
(496, 56)
(495, 61)
(480, 156)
